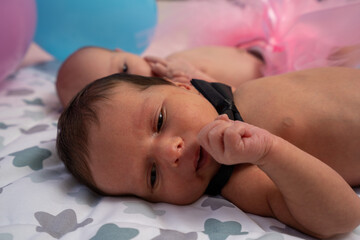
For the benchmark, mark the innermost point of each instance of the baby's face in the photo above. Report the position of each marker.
(92, 63)
(96, 63)
(146, 144)
(130, 63)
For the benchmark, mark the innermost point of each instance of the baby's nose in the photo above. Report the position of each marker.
(172, 150)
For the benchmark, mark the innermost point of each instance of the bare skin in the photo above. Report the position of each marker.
(232, 65)
(229, 65)
(295, 158)
(316, 122)
(298, 109)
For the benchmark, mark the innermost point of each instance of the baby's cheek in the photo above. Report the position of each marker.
(185, 194)
(145, 70)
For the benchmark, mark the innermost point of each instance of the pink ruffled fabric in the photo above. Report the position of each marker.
(310, 34)
(290, 34)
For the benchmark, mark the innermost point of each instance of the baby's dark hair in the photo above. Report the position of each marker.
(76, 119)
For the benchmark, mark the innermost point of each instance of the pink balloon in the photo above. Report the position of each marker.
(17, 27)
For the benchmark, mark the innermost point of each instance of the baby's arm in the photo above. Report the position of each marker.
(298, 189)
(228, 65)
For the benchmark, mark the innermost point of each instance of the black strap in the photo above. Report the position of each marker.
(221, 97)
(219, 180)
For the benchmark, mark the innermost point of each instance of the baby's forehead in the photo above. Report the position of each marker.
(122, 55)
(117, 97)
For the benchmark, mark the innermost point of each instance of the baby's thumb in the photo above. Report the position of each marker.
(181, 79)
(202, 137)
(153, 59)
(159, 70)
(224, 117)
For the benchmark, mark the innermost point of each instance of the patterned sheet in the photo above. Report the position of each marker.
(40, 200)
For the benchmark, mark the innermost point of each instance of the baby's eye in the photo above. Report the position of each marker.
(160, 121)
(125, 68)
(153, 175)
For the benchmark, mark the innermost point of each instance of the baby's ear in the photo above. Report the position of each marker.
(118, 50)
(183, 85)
(186, 86)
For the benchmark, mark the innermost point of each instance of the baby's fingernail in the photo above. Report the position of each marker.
(222, 117)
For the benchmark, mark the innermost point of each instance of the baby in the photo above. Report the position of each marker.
(295, 156)
(232, 65)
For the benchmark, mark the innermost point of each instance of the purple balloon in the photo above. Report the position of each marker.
(17, 27)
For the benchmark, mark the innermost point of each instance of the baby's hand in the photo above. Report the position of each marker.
(173, 69)
(176, 69)
(233, 142)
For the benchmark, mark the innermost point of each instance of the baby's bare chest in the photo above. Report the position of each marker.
(321, 122)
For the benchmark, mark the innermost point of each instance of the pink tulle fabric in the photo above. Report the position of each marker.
(290, 34)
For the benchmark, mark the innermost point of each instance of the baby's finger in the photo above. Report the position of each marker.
(160, 70)
(154, 59)
(211, 137)
(224, 117)
(203, 134)
(180, 79)
(233, 139)
(216, 138)
(179, 76)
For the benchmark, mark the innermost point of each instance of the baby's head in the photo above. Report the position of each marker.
(133, 135)
(90, 63)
